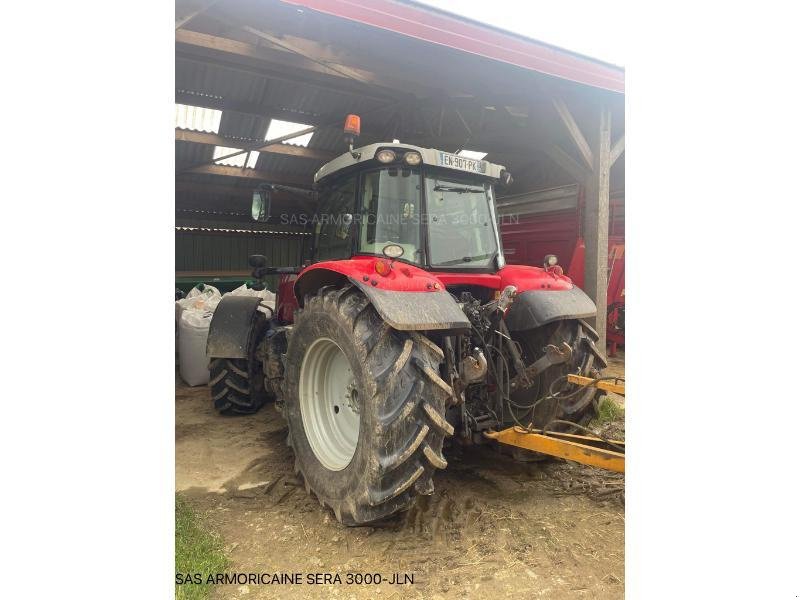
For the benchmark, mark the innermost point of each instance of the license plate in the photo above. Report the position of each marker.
(451, 161)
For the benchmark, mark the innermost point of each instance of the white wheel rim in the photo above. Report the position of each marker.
(329, 404)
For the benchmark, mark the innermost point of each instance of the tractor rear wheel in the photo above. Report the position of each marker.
(237, 384)
(365, 406)
(578, 409)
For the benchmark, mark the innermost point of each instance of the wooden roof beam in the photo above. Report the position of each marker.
(288, 65)
(617, 148)
(213, 139)
(184, 20)
(576, 170)
(260, 110)
(368, 127)
(252, 175)
(401, 72)
(574, 132)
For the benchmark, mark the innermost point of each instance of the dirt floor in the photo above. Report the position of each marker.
(493, 528)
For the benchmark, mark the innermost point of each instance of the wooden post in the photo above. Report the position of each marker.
(595, 225)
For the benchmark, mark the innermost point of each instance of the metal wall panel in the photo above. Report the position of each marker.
(205, 251)
(548, 221)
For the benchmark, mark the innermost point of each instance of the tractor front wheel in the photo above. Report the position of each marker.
(365, 406)
(237, 384)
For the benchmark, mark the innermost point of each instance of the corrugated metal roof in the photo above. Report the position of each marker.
(208, 80)
(235, 161)
(241, 125)
(288, 165)
(248, 231)
(228, 81)
(219, 81)
(187, 153)
(248, 87)
(197, 118)
(191, 201)
(278, 128)
(328, 139)
(212, 212)
(222, 223)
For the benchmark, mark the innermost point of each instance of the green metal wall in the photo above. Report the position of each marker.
(203, 251)
(218, 251)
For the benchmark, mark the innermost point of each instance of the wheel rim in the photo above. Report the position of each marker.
(329, 404)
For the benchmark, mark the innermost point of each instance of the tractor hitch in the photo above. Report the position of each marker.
(553, 355)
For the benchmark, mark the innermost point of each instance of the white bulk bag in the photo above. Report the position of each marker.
(197, 300)
(267, 297)
(192, 336)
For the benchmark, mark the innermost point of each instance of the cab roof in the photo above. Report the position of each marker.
(430, 156)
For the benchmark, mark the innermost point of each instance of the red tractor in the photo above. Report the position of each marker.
(403, 328)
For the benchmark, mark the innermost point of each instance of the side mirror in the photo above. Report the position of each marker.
(505, 178)
(262, 204)
(257, 260)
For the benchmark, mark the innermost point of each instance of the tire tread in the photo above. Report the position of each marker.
(412, 396)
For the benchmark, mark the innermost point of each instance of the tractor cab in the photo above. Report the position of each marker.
(426, 207)
(430, 208)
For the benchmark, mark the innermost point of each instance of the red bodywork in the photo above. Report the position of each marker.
(403, 277)
(285, 299)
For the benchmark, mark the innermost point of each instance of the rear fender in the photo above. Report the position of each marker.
(408, 298)
(232, 327)
(416, 311)
(535, 308)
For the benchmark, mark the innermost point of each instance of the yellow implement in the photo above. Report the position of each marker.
(605, 385)
(584, 449)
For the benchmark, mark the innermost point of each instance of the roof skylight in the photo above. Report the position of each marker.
(235, 161)
(197, 118)
(473, 154)
(280, 128)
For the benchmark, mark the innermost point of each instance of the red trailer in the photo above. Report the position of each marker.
(544, 222)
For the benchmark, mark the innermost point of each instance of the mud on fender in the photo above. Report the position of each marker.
(416, 311)
(231, 327)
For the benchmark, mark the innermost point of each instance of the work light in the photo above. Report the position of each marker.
(386, 156)
(412, 158)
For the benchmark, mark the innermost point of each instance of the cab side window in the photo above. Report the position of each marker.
(335, 226)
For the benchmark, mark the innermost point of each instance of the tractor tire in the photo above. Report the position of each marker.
(237, 384)
(365, 406)
(580, 409)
